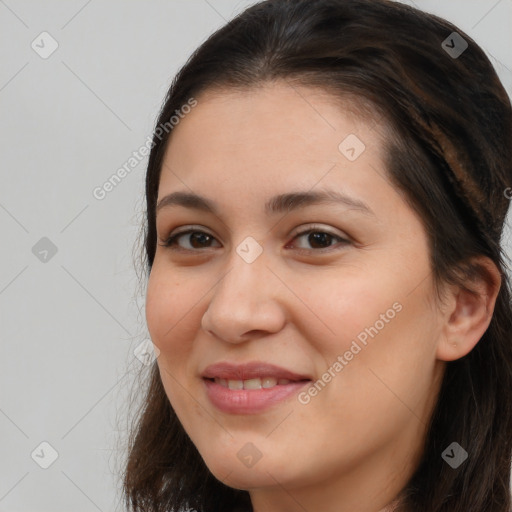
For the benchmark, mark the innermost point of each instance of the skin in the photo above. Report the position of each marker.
(354, 446)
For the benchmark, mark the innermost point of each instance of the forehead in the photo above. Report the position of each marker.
(272, 131)
(247, 152)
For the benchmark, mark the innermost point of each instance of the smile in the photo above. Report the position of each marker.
(257, 383)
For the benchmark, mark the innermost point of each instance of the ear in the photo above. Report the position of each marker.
(468, 315)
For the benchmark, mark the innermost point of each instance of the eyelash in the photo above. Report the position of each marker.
(170, 242)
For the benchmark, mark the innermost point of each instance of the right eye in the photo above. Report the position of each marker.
(195, 242)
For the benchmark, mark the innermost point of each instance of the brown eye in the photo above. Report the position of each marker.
(318, 239)
(196, 240)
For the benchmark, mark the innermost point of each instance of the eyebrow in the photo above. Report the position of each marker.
(277, 204)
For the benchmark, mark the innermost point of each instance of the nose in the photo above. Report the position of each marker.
(245, 303)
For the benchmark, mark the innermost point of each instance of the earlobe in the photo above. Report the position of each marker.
(470, 312)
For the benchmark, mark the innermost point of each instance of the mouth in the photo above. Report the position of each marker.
(250, 388)
(256, 383)
(251, 371)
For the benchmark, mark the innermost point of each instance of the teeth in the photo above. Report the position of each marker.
(265, 382)
(252, 384)
(235, 384)
(268, 382)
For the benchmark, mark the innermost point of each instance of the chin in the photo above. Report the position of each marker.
(247, 478)
(231, 470)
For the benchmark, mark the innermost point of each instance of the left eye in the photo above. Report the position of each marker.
(197, 239)
(320, 239)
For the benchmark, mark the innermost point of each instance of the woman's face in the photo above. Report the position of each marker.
(344, 314)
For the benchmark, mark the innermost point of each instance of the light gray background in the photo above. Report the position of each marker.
(69, 326)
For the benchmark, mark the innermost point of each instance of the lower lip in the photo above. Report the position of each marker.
(249, 401)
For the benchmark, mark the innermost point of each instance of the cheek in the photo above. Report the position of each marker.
(379, 325)
(172, 317)
(343, 307)
(170, 306)
(392, 360)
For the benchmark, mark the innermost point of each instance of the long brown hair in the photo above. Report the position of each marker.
(449, 151)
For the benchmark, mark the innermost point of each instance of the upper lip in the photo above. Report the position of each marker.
(251, 370)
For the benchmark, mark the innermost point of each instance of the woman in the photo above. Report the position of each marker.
(326, 194)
